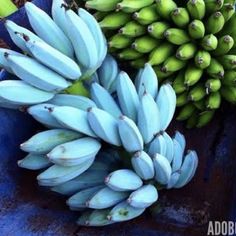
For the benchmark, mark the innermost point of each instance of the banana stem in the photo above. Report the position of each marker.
(7, 7)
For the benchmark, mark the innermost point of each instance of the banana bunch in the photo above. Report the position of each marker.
(61, 53)
(115, 184)
(190, 43)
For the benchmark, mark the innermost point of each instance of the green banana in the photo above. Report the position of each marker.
(119, 41)
(215, 69)
(132, 29)
(186, 112)
(196, 8)
(158, 29)
(146, 15)
(228, 61)
(130, 6)
(102, 5)
(197, 93)
(144, 44)
(165, 7)
(225, 44)
(180, 17)
(215, 23)
(172, 64)
(213, 5)
(213, 85)
(182, 99)
(202, 59)
(176, 36)
(196, 29)
(192, 75)
(129, 54)
(213, 101)
(200, 105)
(209, 42)
(227, 11)
(192, 121)
(204, 118)
(229, 78)
(138, 63)
(160, 74)
(178, 83)
(186, 51)
(229, 94)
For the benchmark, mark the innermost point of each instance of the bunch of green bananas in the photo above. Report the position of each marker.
(191, 43)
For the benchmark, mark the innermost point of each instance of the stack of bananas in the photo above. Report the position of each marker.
(129, 119)
(118, 184)
(66, 50)
(191, 43)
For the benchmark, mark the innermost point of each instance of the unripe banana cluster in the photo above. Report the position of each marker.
(107, 185)
(56, 58)
(191, 43)
(118, 184)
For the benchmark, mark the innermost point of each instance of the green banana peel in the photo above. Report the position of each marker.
(7, 8)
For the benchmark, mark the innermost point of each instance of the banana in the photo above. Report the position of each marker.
(131, 6)
(213, 5)
(123, 212)
(96, 31)
(213, 85)
(179, 83)
(162, 169)
(192, 75)
(104, 100)
(43, 142)
(84, 217)
(186, 112)
(115, 20)
(204, 118)
(34, 162)
(180, 17)
(123, 180)
(57, 174)
(209, 42)
(172, 64)
(202, 59)
(108, 72)
(213, 101)
(197, 93)
(120, 41)
(215, 69)
(229, 94)
(42, 24)
(99, 15)
(162, 75)
(42, 113)
(196, 29)
(129, 54)
(157, 29)
(169, 154)
(104, 125)
(105, 198)
(227, 11)
(225, 44)
(178, 156)
(79, 199)
(192, 121)
(36, 74)
(160, 54)
(200, 105)
(165, 7)
(228, 62)
(73, 118)
(148, 113)
(95, 218)
(173, 179)
(166, 102)
(132, 29)
(58, 14)
(215, 23)
(21, 93)
(144, 44)
(180, 139)
(130, 135)
(53, 59)
(3, 61)
(143, 197)
(143, 165)
(101, 5)
(127, 96)
(67, 154)
(146, 15)
(146, 80)
(158, 145)
(188, 169)
(229, 78)
(88, 179)
(186, 51)
(196, 9)
(82, 40)
(16, 33)
(76, 101)
(182, 99)
(176, 36)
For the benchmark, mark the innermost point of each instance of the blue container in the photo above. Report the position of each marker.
(25, 209)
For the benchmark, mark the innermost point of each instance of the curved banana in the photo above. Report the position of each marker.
(169, 147)
(158, 145)
(178, 156)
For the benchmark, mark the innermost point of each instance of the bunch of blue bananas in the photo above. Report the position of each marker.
(61, 53)
(117, 184)
(191, 43)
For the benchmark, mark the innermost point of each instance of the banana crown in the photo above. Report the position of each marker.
(114, 182)
(191, 43)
